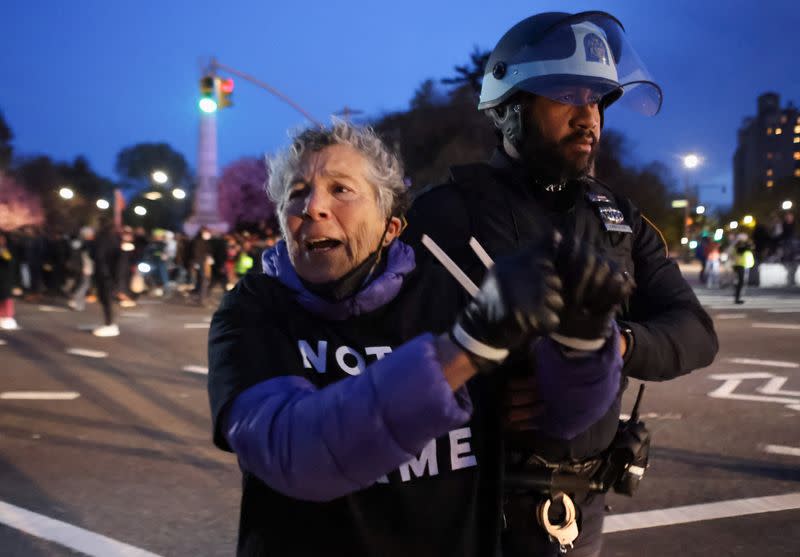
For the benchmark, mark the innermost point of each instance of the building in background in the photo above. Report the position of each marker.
(768, 150)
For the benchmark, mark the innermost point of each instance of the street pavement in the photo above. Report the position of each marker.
(105, 445)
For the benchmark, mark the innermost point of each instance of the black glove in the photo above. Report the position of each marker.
(519, 298)
(593, 289)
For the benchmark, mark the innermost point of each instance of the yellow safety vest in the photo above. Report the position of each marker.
(745, 260)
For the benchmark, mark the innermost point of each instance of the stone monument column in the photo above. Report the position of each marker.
(206, 195)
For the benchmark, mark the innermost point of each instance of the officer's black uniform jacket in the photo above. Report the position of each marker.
(673, 334)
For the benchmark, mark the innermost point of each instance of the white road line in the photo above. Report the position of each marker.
(730, 316)
(87, 353)
(134, 314)
(788, 326)
(793, 310)
(196, 325)
(39, 395)
(52, 309)
(782, 449)
(196, 369)
(2, 342)
(62, 533)
(697, 513)
(767, 363)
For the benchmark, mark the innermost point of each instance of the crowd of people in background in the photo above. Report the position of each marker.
(738, 257)
(113, 265)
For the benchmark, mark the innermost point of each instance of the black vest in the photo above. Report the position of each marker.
(504, 215)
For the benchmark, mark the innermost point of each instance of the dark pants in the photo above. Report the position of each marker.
(741, 279)
(105, 288)
(525, 538)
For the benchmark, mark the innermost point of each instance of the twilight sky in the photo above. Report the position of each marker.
(93, 76)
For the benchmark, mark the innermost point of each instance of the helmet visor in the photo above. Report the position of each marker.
(583, 59)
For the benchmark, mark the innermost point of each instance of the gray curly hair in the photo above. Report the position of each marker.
(385, 170)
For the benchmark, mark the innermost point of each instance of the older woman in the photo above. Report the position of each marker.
(352, 423)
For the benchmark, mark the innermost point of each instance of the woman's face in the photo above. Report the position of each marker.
(333, 221)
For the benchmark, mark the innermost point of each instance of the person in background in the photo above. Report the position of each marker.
(201, 261)
(106, 256)
(7, 271)
(743, 261)
(712, 265)
(77, 299)
(788, 245)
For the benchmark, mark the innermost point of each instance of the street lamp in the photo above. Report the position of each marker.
(733, 225)
(700, 209)
(178, 193)
(747, 220)
(139, 210)
(159, 177)
(153, 195)
(102, 204)
(66, 193)
(786, 205)
(690, 162)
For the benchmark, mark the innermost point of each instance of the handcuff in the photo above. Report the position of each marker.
(566, 531)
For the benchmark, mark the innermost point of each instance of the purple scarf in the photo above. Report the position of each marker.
(379, 292)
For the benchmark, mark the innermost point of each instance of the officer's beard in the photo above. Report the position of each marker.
(547, 160)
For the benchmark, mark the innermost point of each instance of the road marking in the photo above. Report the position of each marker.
(793, 310)
(788, 326)
(697, 513)
(87, 353)
(2, 342)
(39, 395)
(196, 325)
(767, 363)
(196, 369)
(773, 386)
(654, 416)
(782, 449)
(62, 533)
(730, 316)
(134, 314)
(52, 309)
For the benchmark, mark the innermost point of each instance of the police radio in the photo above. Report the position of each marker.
(626, 460)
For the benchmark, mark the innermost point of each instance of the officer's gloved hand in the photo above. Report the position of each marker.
(520, 298)
(593, 289)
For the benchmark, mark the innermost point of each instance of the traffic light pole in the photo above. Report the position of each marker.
(214, 66)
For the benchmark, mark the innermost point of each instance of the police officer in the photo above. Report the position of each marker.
(546, 87)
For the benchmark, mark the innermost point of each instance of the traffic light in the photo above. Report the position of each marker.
(225, 92)
(207, 101)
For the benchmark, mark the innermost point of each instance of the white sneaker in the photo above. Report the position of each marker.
(127, 303)
(106, 331)
(8, 324)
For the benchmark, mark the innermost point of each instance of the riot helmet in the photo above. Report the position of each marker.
(560, 56)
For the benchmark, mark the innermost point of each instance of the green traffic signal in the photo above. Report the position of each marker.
(208, 105)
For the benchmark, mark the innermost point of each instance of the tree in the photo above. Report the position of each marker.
(427, 95)
(136, 164)
(44, 177)
(18, 206)
(471, 74)
(6, 150)
(242, 198)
